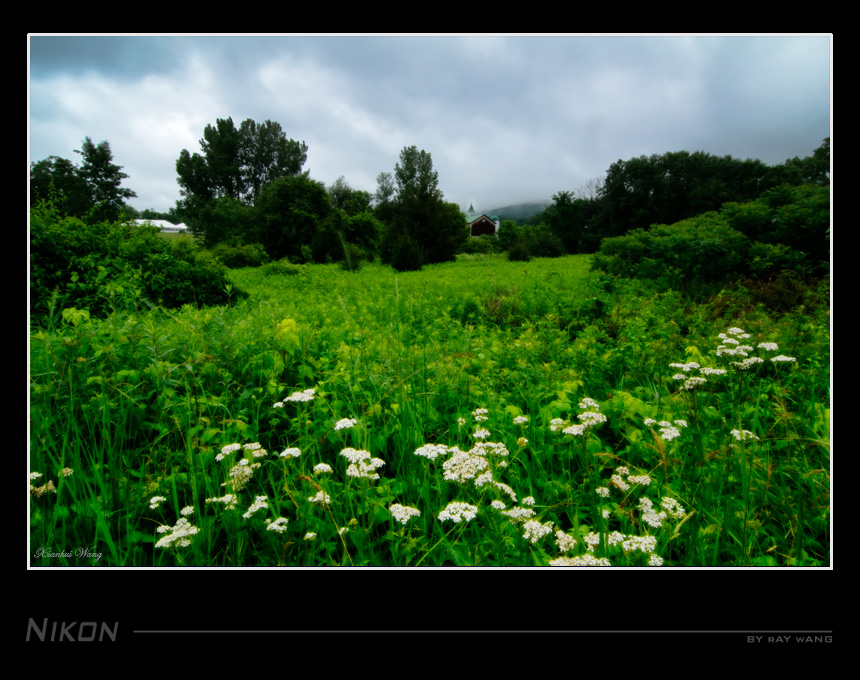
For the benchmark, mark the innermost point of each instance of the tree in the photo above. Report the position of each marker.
(418, 210)
(237, 162)
(91, 190)
(290, 212)
(103, 178)
(351, 201)
(664, 189)
(58, 181)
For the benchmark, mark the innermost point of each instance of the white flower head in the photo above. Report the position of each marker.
(279, 525)
(305, 395)
(458, 512)
(403, 513)
(345, 423)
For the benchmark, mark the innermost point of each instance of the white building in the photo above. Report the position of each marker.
(165, 226)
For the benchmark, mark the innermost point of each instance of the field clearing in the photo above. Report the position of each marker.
(480, 412)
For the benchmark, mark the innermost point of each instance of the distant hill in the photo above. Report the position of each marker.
(519, 212)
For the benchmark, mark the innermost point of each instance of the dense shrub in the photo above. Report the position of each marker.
(406, 254)
(702, 249)
(110, 265)
(236, 255)
(479, 245)
(793, 216)
(519, 252)
(542, 242)
(283, 267)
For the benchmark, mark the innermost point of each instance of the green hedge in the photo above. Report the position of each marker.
(113, 265)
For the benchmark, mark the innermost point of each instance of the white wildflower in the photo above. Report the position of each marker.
(345, 423)
(458, 512)
(321, 497)
(463, 465)
(290, 453)
(782, 357)
(179, 534)
(672, 506)
(646, 544)
(305, 395)
(534, 530)
(508, 490)
(519, 514)
(258, 504)
(580, 561)
(156, 501)
(564, 541)
(481, 433)
(403, 513)
(229, 500)
(480, 414)
(431, 451)
(743, 435)
(769, 346)
(279, 525)
(323, 468)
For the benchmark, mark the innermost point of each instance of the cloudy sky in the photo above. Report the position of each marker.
(507, 119)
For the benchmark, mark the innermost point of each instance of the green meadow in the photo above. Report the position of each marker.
(481, 412)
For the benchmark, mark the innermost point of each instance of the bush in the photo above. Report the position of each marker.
(109, 265)
(283, 267)
(691, 252)
(406, 254)
(519, 252)
(543, 243)
(236, 255)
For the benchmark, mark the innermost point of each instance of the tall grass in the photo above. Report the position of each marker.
(481, 412)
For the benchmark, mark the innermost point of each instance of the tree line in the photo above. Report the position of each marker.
(247, 187)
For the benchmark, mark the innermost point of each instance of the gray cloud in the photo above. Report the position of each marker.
(506, 118)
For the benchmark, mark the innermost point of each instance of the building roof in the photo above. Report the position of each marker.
(164, 225)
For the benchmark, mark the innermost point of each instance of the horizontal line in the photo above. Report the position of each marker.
(745, 632)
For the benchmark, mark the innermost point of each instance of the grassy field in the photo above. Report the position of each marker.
(480, 412)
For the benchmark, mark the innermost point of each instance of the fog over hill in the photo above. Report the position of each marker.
(520, 211)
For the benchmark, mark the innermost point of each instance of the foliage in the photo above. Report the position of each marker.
(519, 252)
(406, 254)
(785, 230)
(413, 207)
(290, 211)
(90, 191)
(113, 265)
(235, 255)
(542, 242)
(574, 396)
(796, 217)
(351, 201)
(238, 162)
(226, 219)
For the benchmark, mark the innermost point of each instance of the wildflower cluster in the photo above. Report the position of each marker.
(590, 417)
(458, 512)
(361, 464)
(668, 431)
(403, 513)
(179, 534)
(731, 346)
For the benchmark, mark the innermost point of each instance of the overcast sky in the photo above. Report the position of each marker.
(507, 119)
